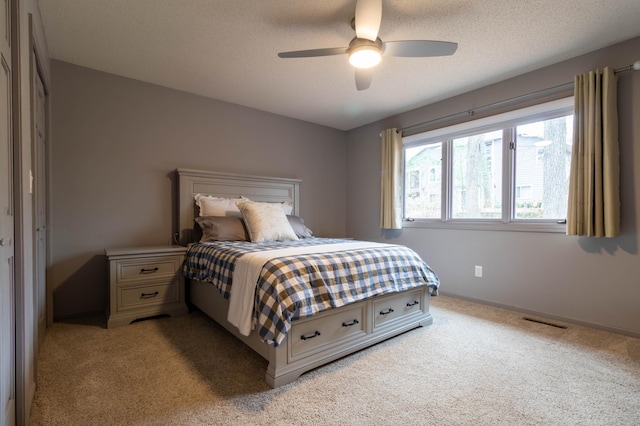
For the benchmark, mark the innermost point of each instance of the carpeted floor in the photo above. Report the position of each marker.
(476, 365)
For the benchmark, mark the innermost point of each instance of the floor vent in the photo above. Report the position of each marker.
(545, 322)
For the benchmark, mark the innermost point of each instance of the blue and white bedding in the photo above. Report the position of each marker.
(296, 284)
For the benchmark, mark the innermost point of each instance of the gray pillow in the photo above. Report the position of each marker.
(222, 228)
(297, 223)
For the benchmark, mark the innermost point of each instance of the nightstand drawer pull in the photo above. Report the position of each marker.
(149, 295)
(414, 303)
(316, 334)
(349, 324)
(149, 271)
(387, 312)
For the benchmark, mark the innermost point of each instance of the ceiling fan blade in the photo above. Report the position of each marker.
(368, 17)
(419, 48)
(363, 78)
(314, 52)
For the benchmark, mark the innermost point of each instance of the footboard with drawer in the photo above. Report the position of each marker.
(327, 336)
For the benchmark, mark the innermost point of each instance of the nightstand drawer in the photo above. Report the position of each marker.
(135, 297)
(147, 269)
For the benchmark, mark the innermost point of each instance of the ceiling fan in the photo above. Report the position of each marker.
(366, 49)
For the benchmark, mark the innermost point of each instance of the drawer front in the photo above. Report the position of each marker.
(148, 295)
(321, 333)
(391, 308)
(147, 269)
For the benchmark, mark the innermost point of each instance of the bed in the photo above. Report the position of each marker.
(302, 336)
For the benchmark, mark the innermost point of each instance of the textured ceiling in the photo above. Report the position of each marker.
(227, 49)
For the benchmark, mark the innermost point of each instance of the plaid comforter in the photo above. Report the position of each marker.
(299, 286)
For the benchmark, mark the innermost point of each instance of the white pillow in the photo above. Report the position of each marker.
(266, 222)
(216, 206)
(287, 207)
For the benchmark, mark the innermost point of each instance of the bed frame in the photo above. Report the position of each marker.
(313, 341)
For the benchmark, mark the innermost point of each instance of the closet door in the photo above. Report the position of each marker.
(40, 204)
(7, 288)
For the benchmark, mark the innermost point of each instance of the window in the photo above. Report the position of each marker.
(509, 171)
(543, 157)
(414, 179)
(423, 200)
(474, 180)
(523, 192)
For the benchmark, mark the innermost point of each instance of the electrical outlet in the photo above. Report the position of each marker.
(478, 271)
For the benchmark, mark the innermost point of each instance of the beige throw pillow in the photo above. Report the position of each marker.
(266, 222)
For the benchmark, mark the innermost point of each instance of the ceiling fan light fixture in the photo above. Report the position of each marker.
(366, 49)
(365, 57)
(365, 53)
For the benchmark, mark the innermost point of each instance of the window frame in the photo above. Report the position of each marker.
(507, 122)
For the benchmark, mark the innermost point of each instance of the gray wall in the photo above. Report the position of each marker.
(116, 142)
(594, 281)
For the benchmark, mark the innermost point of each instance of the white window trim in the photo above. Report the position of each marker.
(505, 120)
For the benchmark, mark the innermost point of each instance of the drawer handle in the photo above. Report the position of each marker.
(414, 303)
(349, 324)
(149, 295)
(316, 334)
(387, 312)
(148, 271)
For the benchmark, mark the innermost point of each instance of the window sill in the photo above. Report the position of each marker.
(544, 227)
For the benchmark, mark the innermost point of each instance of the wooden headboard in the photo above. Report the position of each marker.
(227, 185)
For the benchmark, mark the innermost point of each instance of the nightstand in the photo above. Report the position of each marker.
(145, 282)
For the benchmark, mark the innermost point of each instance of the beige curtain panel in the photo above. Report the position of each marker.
(594, 180)
(391, 193)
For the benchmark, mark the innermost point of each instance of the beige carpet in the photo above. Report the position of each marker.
(476, 365)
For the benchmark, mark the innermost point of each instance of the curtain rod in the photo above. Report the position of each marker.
(540, 93)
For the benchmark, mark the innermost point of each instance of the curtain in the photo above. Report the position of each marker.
(594, 179)
(391, 190)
